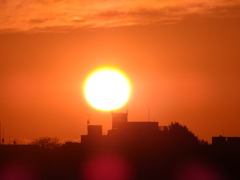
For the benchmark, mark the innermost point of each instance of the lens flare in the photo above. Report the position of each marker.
(107, 166)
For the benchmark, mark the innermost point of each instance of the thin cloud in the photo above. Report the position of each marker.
(62, 15)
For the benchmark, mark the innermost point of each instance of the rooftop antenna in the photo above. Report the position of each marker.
(0, 133)
(88, 120)
(148, 113)
(3, 136)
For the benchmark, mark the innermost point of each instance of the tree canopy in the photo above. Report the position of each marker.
(182, 135)
(46, 142)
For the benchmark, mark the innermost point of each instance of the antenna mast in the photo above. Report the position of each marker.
(88, 120)
(3, 136)
(0, 133)
(148, 114)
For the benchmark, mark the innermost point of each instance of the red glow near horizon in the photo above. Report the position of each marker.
(107, 167)
(198, 171)
(18, 171)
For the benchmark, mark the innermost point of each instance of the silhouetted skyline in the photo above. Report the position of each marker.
(182, 60)
(130, 151)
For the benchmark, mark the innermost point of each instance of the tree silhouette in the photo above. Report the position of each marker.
(181, 135)
(46, 142)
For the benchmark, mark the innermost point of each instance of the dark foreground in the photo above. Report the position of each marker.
(72, 161)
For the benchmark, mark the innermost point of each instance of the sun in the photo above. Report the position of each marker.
(107, 89)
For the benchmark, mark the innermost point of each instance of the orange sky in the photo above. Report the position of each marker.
(181, 57)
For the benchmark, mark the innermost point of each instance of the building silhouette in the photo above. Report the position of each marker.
(223, 141)
(124, 133)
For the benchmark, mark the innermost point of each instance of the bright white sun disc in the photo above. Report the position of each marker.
(107, 90)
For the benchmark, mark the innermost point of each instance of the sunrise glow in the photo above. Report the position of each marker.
(107, 89)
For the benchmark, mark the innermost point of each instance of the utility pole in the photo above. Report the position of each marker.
(88, 120)
(3, 136)
(0, 133)
(148, 114)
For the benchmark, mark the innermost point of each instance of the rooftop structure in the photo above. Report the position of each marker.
(124, 132)
(226, 141)
(118, 118)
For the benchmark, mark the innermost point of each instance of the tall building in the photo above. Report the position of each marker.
(118, 119)
(124, 132)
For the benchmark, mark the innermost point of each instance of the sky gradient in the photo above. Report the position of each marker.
(62, 15)
(181, 57)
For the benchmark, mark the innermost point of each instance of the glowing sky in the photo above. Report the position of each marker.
(182, 58)
(60, 15)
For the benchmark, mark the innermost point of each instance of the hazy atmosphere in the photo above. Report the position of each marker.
(181, 57)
